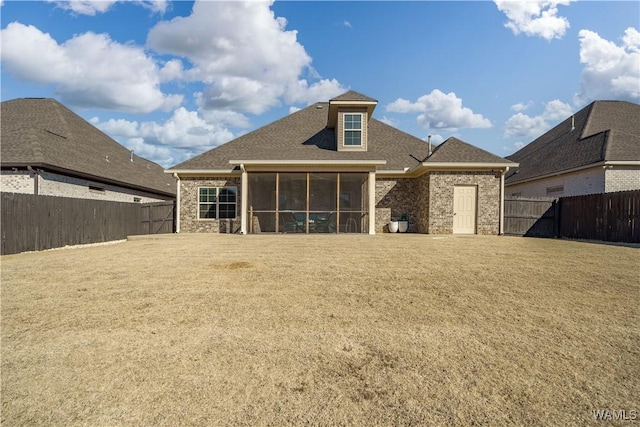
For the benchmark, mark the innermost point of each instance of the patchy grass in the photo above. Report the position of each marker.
(320, 330)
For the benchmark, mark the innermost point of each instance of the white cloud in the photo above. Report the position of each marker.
(513, 148)
(522, 125)
(610, 71)
(439, 110)
(347, 24)
(86, 70)
(520, 107)
(184, 134)
(250, 70)
(93, 7)
(535, 17)
(436, 139)
(387, 121)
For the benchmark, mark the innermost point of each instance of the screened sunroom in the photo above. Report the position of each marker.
(308, 202)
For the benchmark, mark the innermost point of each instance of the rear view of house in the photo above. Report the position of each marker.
(333, 168)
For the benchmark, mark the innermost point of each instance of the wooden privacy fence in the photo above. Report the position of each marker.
(531, 217)
(612, 217)
(34, 222)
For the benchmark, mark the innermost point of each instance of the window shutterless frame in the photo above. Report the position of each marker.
(217, 203)
(352, 123)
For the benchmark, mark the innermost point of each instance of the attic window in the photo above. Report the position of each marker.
(353, 129)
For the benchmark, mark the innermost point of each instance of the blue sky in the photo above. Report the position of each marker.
(173, 79)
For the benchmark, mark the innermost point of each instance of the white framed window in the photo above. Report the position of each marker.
(217, 202)
(352, 129)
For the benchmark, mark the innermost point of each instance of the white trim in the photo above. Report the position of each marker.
(338, 102)
(244, 200)
(469, 165)
(578, 169)
(310, 162)
(372, 202)
(345, 130)
(501, 228)
(175, 175)
(217, 202)
(201, 172)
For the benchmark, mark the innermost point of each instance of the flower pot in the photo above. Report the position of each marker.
(403, 226)
(393, 226)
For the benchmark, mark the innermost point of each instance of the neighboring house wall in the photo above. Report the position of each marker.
(53, 184)
(16, 182)
(620, 178)
(441, 185)
(395, 197)
(189, 222)
(588, 181)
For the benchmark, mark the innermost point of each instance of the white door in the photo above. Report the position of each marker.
(464, 210)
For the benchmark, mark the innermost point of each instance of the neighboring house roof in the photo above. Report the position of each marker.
(604, 131)
(304, 136)
(41, 132)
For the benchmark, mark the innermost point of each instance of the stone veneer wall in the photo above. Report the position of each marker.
(441, 184)
(394, 197)
(189, 222)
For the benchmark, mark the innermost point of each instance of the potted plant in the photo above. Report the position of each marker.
(403, 224)
(393, 226)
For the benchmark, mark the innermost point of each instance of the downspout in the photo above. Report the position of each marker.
(504, 172)
(244, 198)
(35, 180)
(177, 177)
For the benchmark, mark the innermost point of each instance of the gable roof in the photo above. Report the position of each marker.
(454, 150)
(352, 95)
(602, 131)
(41, 132)
(304, 137)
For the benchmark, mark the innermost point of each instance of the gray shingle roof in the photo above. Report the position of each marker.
(44, 133)
(454, 150)
(604, 131)
(304, 136)
(352, 95)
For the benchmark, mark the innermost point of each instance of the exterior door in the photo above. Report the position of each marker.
(464, 209)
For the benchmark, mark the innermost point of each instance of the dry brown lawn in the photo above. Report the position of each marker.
(321, 330)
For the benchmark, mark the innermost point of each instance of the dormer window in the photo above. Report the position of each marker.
(353, 129)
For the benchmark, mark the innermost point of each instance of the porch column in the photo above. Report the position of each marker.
(244, 198)
(372, 202)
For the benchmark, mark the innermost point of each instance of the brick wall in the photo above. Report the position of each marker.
(16, 182)
(588, 181)
(441, 185)
(52, 184)
(621, 178)
(395, 197)
(189, 222)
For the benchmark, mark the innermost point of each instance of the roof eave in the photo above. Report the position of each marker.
(57, 169)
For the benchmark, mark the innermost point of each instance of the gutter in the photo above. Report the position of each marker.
(35, 180)
(611, 163)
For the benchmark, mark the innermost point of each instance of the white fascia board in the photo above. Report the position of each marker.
(622, 163)
(201, 172)
(578, 169)
(353, 103)
(463, 165)
(309, 162)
